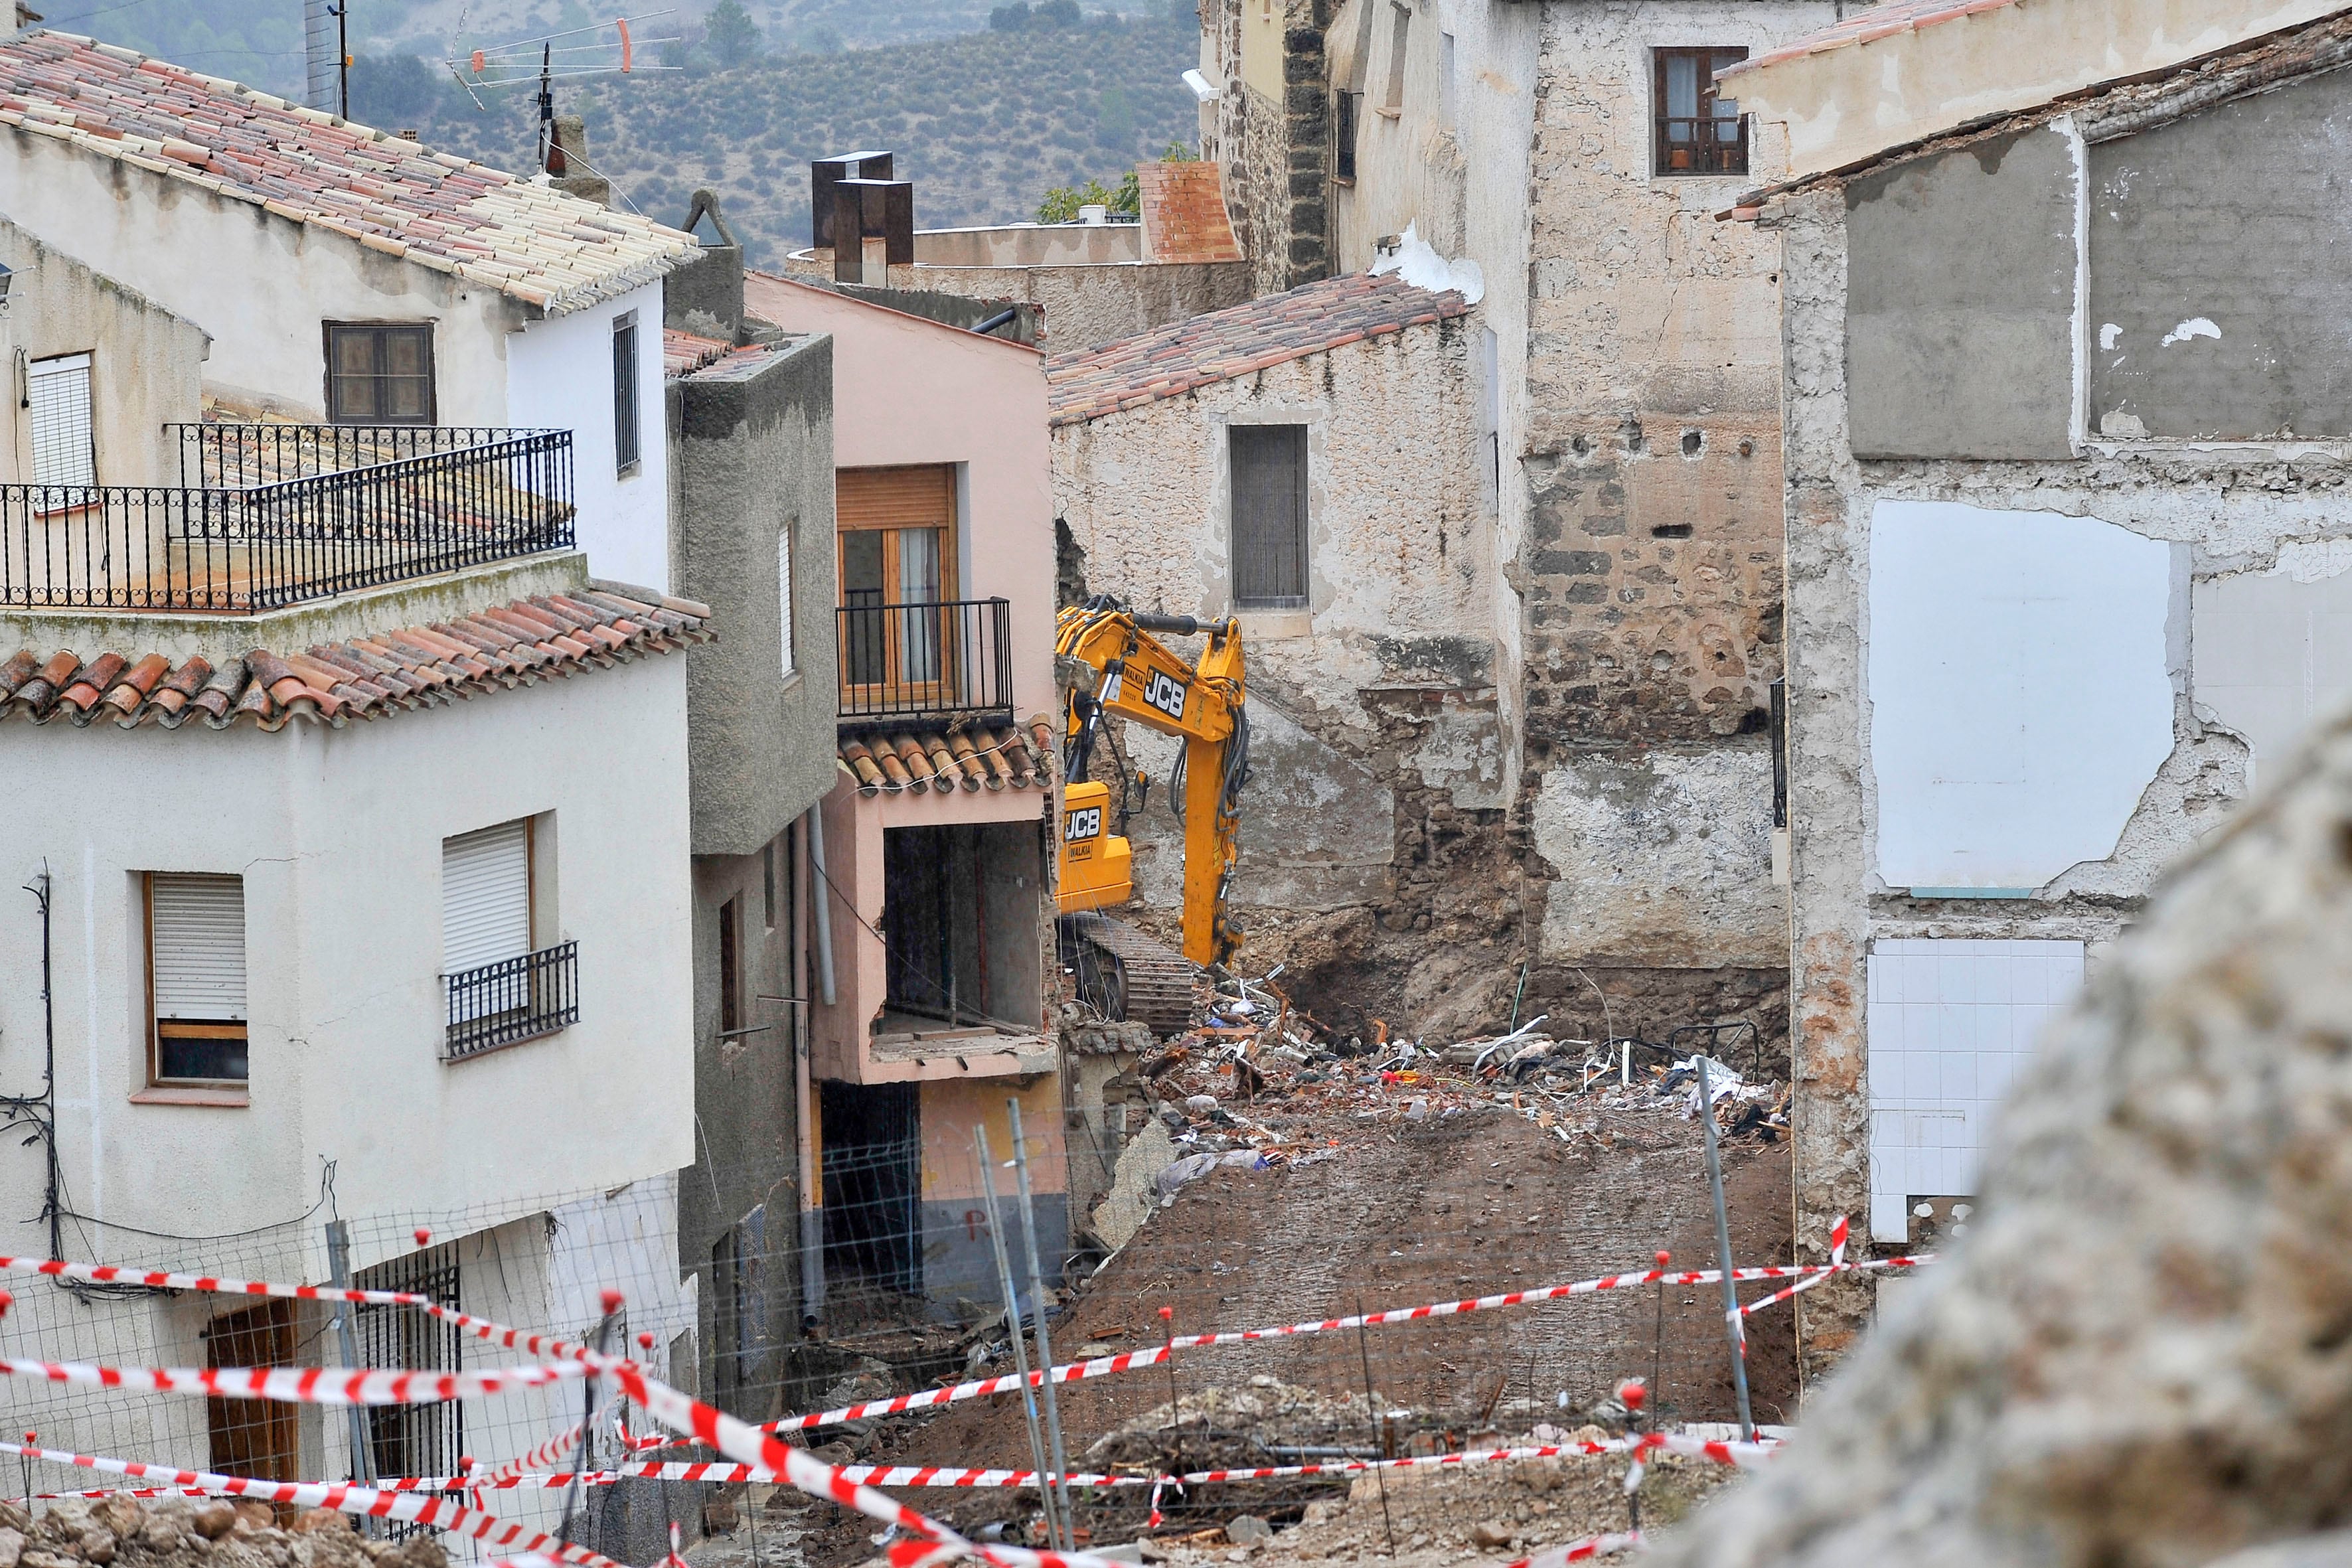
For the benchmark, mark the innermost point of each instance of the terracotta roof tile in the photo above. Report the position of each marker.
(532, 242)
(1235, 342)
(684, 352)
(365, 678)
(1184, 217)
(1864, 27)
(942, 760)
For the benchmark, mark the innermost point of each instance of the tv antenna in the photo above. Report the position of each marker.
(604, 48)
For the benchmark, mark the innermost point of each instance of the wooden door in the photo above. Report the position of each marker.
(254, 1437)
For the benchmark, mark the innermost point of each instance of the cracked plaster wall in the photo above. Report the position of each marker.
(2243, 523)
(1383, 684)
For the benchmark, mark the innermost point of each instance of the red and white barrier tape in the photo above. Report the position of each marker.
(299, 1385)
(1582, 1550)
(1640, 1443)
(1153, 1355)
(443, 1512)
(546, 1346)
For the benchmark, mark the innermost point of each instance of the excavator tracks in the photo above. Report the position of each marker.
(1125, 974)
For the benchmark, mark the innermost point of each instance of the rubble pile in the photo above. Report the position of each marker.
(1260, 1083)
(122, 1531)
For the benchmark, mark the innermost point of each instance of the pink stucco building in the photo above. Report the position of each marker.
(939, 827)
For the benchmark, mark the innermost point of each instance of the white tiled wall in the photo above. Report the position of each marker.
(1950, 1022)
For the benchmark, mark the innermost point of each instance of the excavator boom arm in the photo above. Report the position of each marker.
(1139, 678)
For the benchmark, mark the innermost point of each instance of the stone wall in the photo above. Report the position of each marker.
(1373, 706)
(1275, 153)
(1077, 307)
(1649, 578)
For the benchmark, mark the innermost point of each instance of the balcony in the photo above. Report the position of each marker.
(512, 1000)
(944, 657)
(269, 515)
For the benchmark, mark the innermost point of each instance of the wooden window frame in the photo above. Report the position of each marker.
(731, 967)
(951, 531)
(159, 1030)
(1345, 116)
(329, 331)
(1733, 163)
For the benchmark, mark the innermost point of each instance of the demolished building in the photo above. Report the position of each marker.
(2066, 556)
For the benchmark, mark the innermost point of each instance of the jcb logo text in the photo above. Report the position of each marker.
(1165, 692)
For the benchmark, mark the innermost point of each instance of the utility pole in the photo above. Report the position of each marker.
(343, 59)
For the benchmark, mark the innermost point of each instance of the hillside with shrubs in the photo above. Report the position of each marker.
(985, 123)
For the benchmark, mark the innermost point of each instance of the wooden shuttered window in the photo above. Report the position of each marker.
(195, 978)
(917, 497)
(896, 548)
(1269, 516)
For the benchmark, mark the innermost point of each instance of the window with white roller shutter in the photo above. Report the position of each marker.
(64, 450)
(485, 896)
(195, 974)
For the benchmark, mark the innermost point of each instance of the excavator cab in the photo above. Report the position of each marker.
(1097, 865)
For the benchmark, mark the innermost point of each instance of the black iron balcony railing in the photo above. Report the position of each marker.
(513, 999)
(941, 655)
(272, 515)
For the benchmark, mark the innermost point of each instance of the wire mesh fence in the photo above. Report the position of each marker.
(906, 1294)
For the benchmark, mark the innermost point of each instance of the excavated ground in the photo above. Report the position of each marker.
(1389, 1213)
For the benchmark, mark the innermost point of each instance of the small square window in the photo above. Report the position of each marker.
(196, 979)
(379, 375)
(1696, 131)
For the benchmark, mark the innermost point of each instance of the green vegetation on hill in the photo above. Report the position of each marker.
(984, 124)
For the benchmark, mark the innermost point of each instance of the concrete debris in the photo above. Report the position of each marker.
(1132, 1185)
(1268, 1413)
(1248, 1529)
(190, 1532)
(1257, 1070)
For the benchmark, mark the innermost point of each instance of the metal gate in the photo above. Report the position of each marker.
(414, 1440)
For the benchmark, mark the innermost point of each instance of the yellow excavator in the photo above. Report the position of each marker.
(1121, 971)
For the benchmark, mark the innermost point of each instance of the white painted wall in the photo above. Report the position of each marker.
(1951, 1021)
(2020, 699)
(2273, 649)
(261, 285)
(559, 377)
(338, 837)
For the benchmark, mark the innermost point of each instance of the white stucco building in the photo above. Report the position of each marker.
(352, 276)
(363, 905)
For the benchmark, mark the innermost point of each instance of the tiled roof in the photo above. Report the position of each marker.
(529, 241)
(1874, 22)
(1174, 359)
(935, 760)
(1185, 213)
(515, 644)
(684, 352)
